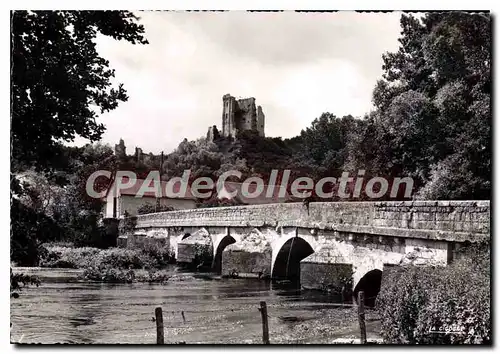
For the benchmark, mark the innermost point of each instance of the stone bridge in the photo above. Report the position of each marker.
(329, 245)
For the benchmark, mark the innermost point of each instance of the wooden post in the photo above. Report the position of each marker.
(361, 316)
(160, 338)
(265, 326)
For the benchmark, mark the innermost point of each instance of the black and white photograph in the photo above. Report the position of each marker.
(250, 177)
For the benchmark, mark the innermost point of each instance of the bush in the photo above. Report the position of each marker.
(124, 259)
(161, 254)
(113, 265)
(153, 277)
(202, 257)
(19, 281)
(85, 230)
(85, 257)
(446, 305)
(29, 229)
(67, 257)
(109, 274)
(114, 275)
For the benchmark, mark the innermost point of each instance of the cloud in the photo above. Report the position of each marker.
(296, 65)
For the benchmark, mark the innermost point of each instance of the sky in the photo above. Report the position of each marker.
(296, 65)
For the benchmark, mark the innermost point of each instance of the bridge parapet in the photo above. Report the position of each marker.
(456, 221)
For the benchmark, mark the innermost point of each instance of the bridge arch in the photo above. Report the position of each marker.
(370, 284)
(219, 244)
(288, 251)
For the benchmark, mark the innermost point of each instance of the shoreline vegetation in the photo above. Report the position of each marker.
(112, 265)
(439, 305)
(152, 264)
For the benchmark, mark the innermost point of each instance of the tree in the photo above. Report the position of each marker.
(59, 86)
(323, 145)
(433, 119)
(201, 157)
(59, 81)
(458, 48)
(29, 230)
(37, 192)
(405, 69)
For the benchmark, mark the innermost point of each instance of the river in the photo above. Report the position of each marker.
(215, 311)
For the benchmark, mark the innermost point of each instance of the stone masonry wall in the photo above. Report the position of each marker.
(457, 221)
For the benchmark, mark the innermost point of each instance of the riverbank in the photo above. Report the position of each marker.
(52, 275)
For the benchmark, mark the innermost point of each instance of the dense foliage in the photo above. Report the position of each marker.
(29, 230)
(117, 275)
(59, 80)
(151, 257)
(110, 265)
(432, 119)
(59, 85)
(447, 305)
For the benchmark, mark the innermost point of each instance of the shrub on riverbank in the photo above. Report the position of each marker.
(85, 257)
(67, 257)
(432, 305)
(19, 281)
(109, 274)
(124, 259)
(161, 254)
(114, 275)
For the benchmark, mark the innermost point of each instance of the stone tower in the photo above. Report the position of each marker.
(120, 149)
(228, 110)
(260, 121)
(241, 115)
(138, 154)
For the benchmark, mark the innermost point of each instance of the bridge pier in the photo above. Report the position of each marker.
(250, 257)
(195, 250)
(326, 270)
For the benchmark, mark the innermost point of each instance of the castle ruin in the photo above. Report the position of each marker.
(139, 155)
(240, 115)
(120, 149)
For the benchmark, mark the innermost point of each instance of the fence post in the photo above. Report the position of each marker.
(265, 326)
(160, 338)
(361, 316)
